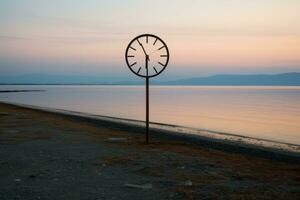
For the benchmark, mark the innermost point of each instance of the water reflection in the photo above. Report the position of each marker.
(262, 112)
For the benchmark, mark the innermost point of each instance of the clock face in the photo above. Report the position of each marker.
(147, 55)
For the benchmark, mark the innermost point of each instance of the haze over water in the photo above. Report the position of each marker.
(262, 112)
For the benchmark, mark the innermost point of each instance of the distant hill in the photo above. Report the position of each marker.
(287, 79)
(59, 79)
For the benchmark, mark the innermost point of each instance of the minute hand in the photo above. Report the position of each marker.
(143, 50)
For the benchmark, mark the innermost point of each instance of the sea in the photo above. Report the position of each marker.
(263, 112)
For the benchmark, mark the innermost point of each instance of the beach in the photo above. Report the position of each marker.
(47, 155)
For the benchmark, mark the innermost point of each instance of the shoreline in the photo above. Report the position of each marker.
(13, 91)
(210, 139)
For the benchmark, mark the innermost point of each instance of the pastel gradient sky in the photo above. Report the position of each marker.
(204, 37)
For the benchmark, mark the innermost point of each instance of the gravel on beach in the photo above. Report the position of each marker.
(51, 156)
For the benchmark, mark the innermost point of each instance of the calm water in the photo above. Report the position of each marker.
(260, 112)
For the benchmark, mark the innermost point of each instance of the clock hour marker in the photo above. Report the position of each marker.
(155, 70)
(132, 48)
(155, 41)
(160, 48)
(161, 64)
(132, 64)
(130, 56)
(139, 70)
(146, 39)
(163, 55)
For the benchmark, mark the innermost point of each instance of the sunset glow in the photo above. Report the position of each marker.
(219, 36)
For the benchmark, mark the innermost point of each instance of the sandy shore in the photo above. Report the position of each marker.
(53, 156)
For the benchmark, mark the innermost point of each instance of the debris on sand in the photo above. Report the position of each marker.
(4, 114)
(116, 139)
(188, 183)
(144, 186)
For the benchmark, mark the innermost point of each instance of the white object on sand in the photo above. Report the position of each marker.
(188, 183)
(144, 186)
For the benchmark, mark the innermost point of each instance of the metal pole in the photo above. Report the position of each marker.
(147, 110)
(147, 102)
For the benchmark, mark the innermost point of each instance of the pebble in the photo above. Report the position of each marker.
(32, 176)
(11, 131)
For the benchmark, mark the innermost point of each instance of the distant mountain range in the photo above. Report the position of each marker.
(278, 79)
(59, 79)
(286, 79)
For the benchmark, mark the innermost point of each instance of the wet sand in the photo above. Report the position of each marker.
(53, 156)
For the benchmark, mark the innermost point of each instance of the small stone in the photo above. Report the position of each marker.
(17, 180)
(11, 131)
(188, 183)
(32, 176)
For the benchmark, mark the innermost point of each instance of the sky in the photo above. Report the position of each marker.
(75, 37)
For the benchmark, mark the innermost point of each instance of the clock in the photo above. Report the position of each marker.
(147, 55)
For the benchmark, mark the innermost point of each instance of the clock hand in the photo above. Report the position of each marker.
(143, 50)
(147, 59)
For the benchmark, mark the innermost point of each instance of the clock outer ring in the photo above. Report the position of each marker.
(144, 35)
